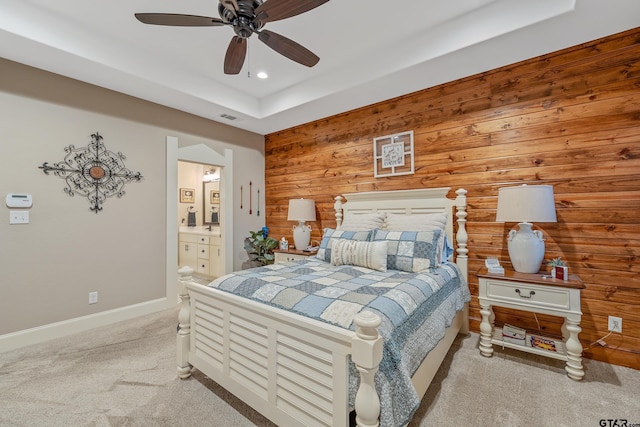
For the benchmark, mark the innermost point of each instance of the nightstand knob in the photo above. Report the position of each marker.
(531, 293)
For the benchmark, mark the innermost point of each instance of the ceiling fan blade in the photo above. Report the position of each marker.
(274, 10)
(236, 52)
(288, 48)
(178, 20)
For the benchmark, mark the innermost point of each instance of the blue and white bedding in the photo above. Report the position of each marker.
(415, 309)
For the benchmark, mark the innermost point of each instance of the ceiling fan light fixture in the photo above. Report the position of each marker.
(262, 75)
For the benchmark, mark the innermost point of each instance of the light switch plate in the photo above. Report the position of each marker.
(18, 217)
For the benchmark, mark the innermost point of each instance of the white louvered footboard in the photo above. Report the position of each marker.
(287, 369)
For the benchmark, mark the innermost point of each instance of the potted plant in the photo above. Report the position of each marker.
(559, 269)
(260, 247)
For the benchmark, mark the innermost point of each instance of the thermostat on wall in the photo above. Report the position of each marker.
(19, 200)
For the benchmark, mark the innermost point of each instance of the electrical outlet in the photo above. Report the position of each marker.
(93, 297)
(615, 324)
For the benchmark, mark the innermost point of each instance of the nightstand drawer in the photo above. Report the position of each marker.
(281, 257)
(532, 295)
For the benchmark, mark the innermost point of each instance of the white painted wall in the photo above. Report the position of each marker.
(49, 266)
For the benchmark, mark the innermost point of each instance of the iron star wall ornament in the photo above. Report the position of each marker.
(94, 172)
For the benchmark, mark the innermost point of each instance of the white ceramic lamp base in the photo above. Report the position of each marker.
(301, 235)
(526, 248)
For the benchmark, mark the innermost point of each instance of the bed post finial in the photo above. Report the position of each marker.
(184, 325)
(367, 354)
(337, 206)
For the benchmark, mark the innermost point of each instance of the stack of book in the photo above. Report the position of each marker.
(543, 343)
(513, 335)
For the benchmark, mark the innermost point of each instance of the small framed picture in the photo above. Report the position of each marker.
(561, 272)
(187, 195)
(215, 197)
(393, 155)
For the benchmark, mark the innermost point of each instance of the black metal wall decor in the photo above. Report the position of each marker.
(94, 172)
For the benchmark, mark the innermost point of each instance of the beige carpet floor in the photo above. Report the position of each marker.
(124, 375)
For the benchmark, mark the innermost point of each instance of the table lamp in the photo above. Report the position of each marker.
(302, 210)
(525, 204)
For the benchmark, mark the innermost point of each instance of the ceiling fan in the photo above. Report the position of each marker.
(247, 17)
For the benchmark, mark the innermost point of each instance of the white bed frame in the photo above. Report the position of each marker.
(292, 369)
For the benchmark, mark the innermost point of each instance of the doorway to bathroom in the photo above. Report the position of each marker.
(205, 155)
(200, 204)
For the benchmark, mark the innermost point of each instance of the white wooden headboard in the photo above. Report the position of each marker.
(408, 202)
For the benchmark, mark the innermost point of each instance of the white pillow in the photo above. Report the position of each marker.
(416, 222)
(363, 222)
(371, 255)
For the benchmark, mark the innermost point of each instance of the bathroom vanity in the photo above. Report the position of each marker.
(201, 250)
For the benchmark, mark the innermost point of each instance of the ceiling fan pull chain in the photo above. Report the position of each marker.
(248, 59)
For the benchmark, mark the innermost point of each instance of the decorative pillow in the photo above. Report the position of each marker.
(412, 251)
(423, 222)
(330, 235)
(363, 222)
(371, 255)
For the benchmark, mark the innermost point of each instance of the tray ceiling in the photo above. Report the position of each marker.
(369, 51)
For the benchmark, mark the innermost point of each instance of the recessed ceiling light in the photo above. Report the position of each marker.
(262, 75)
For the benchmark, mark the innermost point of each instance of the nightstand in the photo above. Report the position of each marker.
(536, 293)
(290, 255)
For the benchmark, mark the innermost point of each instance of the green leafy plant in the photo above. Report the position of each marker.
(260, 247)
(556, 262)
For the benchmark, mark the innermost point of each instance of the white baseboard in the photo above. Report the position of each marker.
(51, 331)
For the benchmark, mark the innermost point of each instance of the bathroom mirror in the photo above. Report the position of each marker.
(211, 202)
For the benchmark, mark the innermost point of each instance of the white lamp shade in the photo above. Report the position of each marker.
(302, 210)
(526, 203)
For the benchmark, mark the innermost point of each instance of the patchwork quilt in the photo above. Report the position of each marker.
(415, 309)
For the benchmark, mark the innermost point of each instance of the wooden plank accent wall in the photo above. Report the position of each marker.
(570, 119)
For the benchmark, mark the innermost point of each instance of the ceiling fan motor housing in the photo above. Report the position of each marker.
(243, 21)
